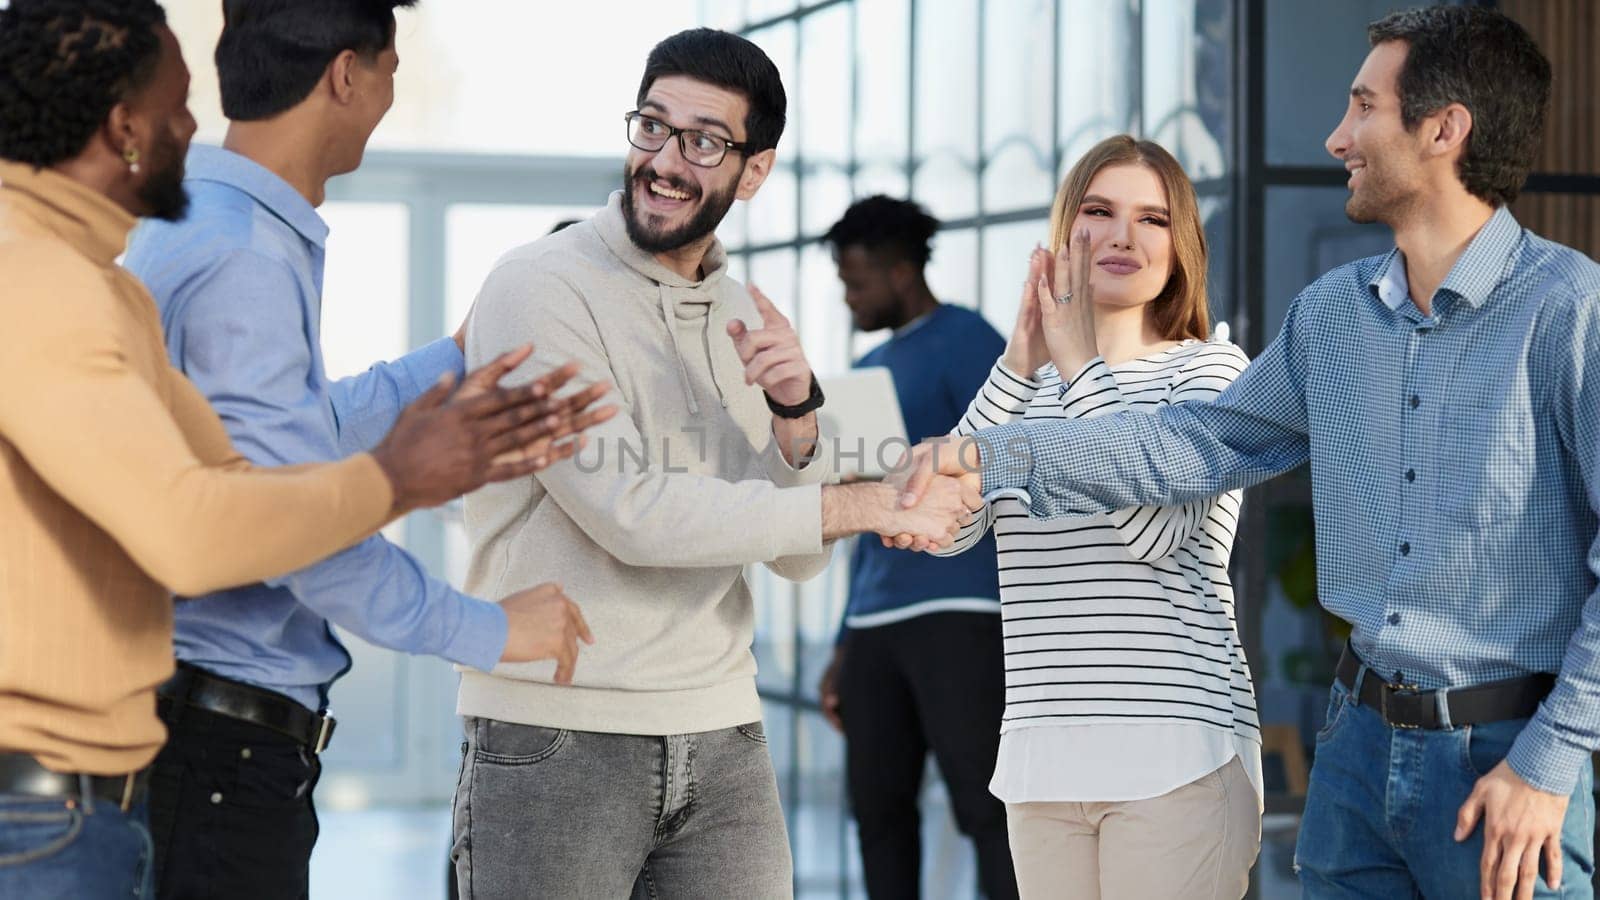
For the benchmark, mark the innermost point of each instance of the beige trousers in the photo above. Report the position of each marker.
(1194, 843)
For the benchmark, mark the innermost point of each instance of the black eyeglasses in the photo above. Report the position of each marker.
(700, 148)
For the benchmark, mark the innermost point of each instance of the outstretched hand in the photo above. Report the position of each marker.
(454, 440)
(967, 491)
(916, 469)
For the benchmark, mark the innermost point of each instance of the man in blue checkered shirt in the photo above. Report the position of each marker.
(1441, 394)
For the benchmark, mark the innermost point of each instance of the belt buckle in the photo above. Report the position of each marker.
(1408, 690)
(324, 735)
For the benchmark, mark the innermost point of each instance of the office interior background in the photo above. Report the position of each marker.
(508, 118)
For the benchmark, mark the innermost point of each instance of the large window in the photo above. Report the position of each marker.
(489, 76)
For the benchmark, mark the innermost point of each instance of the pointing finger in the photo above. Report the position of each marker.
(770, 314)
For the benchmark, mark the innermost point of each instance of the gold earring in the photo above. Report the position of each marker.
(131, 155)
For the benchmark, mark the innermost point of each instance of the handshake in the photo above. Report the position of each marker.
(916, 509)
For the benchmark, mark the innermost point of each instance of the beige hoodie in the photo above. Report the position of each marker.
(649, 528)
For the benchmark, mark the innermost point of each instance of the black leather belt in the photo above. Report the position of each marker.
(20, 773)
(193, 686)
(1405, 706)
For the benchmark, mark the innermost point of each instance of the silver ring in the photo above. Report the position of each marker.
(1065, 298)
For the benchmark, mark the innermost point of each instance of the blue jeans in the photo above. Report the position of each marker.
(1380, 815)
(89, 850)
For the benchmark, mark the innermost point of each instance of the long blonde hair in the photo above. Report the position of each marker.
(1180, 310)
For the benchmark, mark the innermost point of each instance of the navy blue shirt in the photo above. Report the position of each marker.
(938, 363)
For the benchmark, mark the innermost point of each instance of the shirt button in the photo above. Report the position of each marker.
(1411, 474)
(1394, 618)
(1415, 401)
(1405, 548)
(216, 798)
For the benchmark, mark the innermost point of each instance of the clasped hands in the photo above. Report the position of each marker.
(936, 483)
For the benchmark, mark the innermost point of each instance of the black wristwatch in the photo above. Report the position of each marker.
(802, 409)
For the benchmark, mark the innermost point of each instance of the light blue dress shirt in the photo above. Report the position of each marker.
(1455, 468)
(239, 287)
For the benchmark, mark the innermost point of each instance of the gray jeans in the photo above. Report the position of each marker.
(549, 813)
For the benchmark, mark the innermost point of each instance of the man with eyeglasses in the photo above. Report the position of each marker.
(651, 775)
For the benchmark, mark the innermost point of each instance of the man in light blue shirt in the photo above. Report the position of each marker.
(1442, 394)
(239, 288)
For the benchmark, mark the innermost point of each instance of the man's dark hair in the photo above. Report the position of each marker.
(272, 52)
(63, 65)
(727, 61)
(1488, 63)
(900, 229)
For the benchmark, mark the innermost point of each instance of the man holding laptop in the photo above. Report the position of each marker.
(920, 649)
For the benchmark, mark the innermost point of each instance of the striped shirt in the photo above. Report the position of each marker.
(1117, 620)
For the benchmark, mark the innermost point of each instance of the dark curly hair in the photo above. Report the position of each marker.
(900, 228)
(63, 65)
(1486, 62)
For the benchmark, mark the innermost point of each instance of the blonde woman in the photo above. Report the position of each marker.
(1130, 750)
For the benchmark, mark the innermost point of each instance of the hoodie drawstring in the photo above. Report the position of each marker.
(671, 320)
(711, 359)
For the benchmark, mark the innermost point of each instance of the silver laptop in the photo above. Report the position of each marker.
(861, 424)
